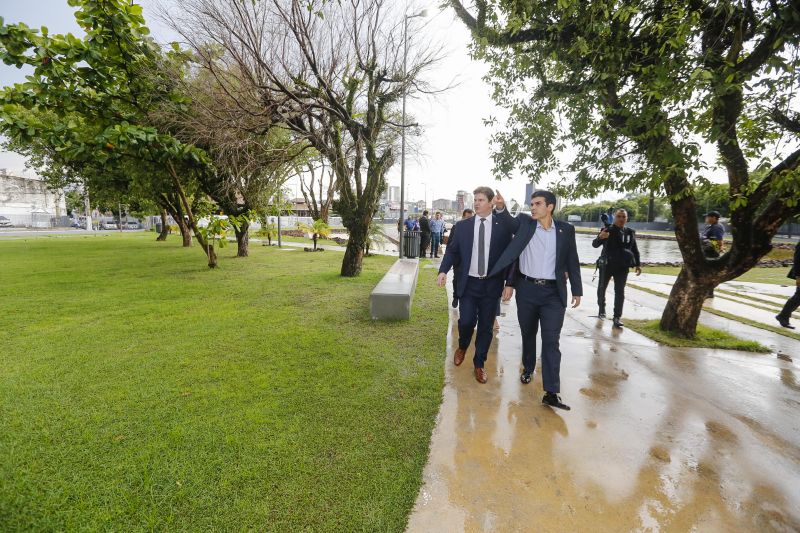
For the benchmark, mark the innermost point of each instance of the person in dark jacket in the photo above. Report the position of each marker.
(620, 253)
(794, 301)
(477, 246)
(425, 230)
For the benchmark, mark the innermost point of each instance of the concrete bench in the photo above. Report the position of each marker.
(391, 298)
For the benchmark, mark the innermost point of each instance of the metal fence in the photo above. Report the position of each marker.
(38, 220)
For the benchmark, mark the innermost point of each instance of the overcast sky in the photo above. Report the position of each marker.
(455, 143)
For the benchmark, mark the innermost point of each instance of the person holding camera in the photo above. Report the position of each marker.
(620, 253)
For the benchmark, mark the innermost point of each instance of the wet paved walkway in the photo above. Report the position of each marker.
(658, 439)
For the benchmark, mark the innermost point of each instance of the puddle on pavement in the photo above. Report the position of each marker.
(657, 439)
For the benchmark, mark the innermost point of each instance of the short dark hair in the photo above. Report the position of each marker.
(486, 191)
(467, 210)
(425, 212)
(549, 198)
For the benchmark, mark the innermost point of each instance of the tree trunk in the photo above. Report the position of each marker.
(211, 253)
(354, 254)
(164, 226)
(685, 303)
(315, 242)
(243, 239)
(186, 232)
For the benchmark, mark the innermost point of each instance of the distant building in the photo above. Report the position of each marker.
(394, 194)
(27, 201)
(442, 204)
(464, 200)
(530, 188)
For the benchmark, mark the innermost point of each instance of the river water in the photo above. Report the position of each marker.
(650, 250)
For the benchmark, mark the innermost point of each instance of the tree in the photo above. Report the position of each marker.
(333, 71)
(317, 186)
(251, 158)
(638, 86)
(317, 229)
(99, 84)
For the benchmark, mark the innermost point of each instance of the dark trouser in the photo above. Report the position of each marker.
(620, 275)
(423, 243)
(478, 307)
(791, 305)
(538, 304)
(436, 240)
(456, 272)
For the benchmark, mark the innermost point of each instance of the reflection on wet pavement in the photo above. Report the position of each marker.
(658, 439)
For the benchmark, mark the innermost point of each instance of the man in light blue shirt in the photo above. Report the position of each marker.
(543, 255)
(437, 231)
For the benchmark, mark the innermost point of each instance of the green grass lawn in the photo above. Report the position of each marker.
(774, 275)
(140, 390)
(705, 337)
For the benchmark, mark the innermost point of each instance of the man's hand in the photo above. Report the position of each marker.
(638, 271)
(508, 292)
(576, 301)
(498, 202)
(603, 234)
(441, 279)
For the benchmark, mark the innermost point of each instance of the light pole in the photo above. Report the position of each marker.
(403, 131)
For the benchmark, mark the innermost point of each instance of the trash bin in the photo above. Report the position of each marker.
(158, 227)
(411, 243)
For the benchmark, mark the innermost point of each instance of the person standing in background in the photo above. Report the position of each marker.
(711, 239)
(794, 301)
(437, 232)
(425, 230)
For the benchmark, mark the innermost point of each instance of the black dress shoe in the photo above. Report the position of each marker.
(618, 323)
(552, 399)
(455, 302)
(525, 377)
(784, 322)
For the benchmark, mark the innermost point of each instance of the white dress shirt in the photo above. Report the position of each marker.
(538, 259)
(487, 238)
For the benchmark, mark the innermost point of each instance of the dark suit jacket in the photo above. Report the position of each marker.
(620, 247)
(424, 225)
(459, 247)
(795, 271)
(567, 264)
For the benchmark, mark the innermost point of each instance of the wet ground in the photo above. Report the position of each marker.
(658, 438)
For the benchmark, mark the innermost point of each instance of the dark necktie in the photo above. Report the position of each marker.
(481, 251)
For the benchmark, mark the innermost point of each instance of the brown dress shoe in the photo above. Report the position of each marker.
(458, 357)
(480, 375)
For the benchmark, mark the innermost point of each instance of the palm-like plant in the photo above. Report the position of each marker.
(317, 229)
(375, 237)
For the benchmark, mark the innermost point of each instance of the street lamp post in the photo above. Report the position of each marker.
(403, 131)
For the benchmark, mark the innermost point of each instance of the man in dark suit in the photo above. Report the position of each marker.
(425, 233)
(542, 256)
(476, 244)
(794, 301)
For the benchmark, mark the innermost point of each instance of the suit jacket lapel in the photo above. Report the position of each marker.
(469, 235)
(559, 240)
